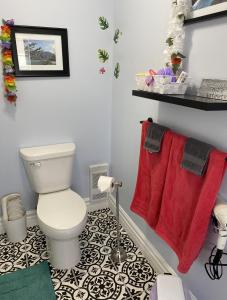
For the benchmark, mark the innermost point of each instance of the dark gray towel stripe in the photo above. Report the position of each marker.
(154, 137)
(196, 156)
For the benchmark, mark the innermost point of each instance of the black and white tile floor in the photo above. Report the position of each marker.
(95, 277)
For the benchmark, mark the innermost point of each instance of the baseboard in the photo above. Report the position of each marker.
(97, 204)
(149, 251)
(32, 217)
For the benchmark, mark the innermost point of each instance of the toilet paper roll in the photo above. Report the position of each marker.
(105, 184)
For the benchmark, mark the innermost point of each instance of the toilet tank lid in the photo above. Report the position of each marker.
(47, 152)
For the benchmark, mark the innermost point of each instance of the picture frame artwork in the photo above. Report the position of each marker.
(207, 9)
(40, 51)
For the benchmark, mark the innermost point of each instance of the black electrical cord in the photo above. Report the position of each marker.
(214, 268)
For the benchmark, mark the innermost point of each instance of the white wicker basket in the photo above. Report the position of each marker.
(172, 88)
(141, 83)
(162, 84)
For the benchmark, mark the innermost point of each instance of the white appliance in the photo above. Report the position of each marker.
(220, 212)
(61, 212)
(170, 287)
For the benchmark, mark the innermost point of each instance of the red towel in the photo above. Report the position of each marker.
(151, 178)
(187, 203)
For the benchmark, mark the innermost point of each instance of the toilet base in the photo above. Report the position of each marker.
(63, 254)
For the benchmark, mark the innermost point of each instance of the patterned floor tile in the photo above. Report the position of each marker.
(96, 277)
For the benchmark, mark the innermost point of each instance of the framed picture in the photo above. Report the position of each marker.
(40, 51)
(207, 9)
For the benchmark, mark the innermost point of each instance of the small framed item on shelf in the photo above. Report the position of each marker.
(214, 89)
(40, 51)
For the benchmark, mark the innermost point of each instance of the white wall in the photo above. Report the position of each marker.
(144, 25)
(56, 110)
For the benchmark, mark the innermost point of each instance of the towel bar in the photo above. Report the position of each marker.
(151, 120)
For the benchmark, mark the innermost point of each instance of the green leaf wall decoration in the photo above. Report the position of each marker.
(117, 70)
(103, 55)
(103, 23)
(117, 35)
(169, 41)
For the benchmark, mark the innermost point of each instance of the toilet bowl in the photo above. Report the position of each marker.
(61, 212)
(62, 216)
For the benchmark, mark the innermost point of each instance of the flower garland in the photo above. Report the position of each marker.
(7, 60)
(176, 34)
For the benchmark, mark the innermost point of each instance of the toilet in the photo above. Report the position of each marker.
(61, 212)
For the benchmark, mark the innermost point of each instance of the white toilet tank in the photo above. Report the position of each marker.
(49, 168)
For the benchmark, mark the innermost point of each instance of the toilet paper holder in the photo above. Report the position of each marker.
(118, 255)
(117, 184)
(109, 185)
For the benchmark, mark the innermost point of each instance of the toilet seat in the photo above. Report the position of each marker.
(62, 214)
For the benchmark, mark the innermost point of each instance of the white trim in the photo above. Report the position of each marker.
(32, 217)
(149, 251)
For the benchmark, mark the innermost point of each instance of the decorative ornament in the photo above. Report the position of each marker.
(117, 70)
(7, 61)
(103, 55)
(117, 35)
(150, 77)
(103, 23)
(167, 71)
(176, 34)
(102, 71)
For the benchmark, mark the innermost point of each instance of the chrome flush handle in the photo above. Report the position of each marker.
(36, 164)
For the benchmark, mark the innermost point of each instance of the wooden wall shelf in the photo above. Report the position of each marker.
(185, 100)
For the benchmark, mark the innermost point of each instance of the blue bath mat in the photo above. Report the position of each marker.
(33, 283)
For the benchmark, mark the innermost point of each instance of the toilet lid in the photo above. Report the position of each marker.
(61, 210)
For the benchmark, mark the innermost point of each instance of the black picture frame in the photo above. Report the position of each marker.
(210, 12)
(60, 34)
